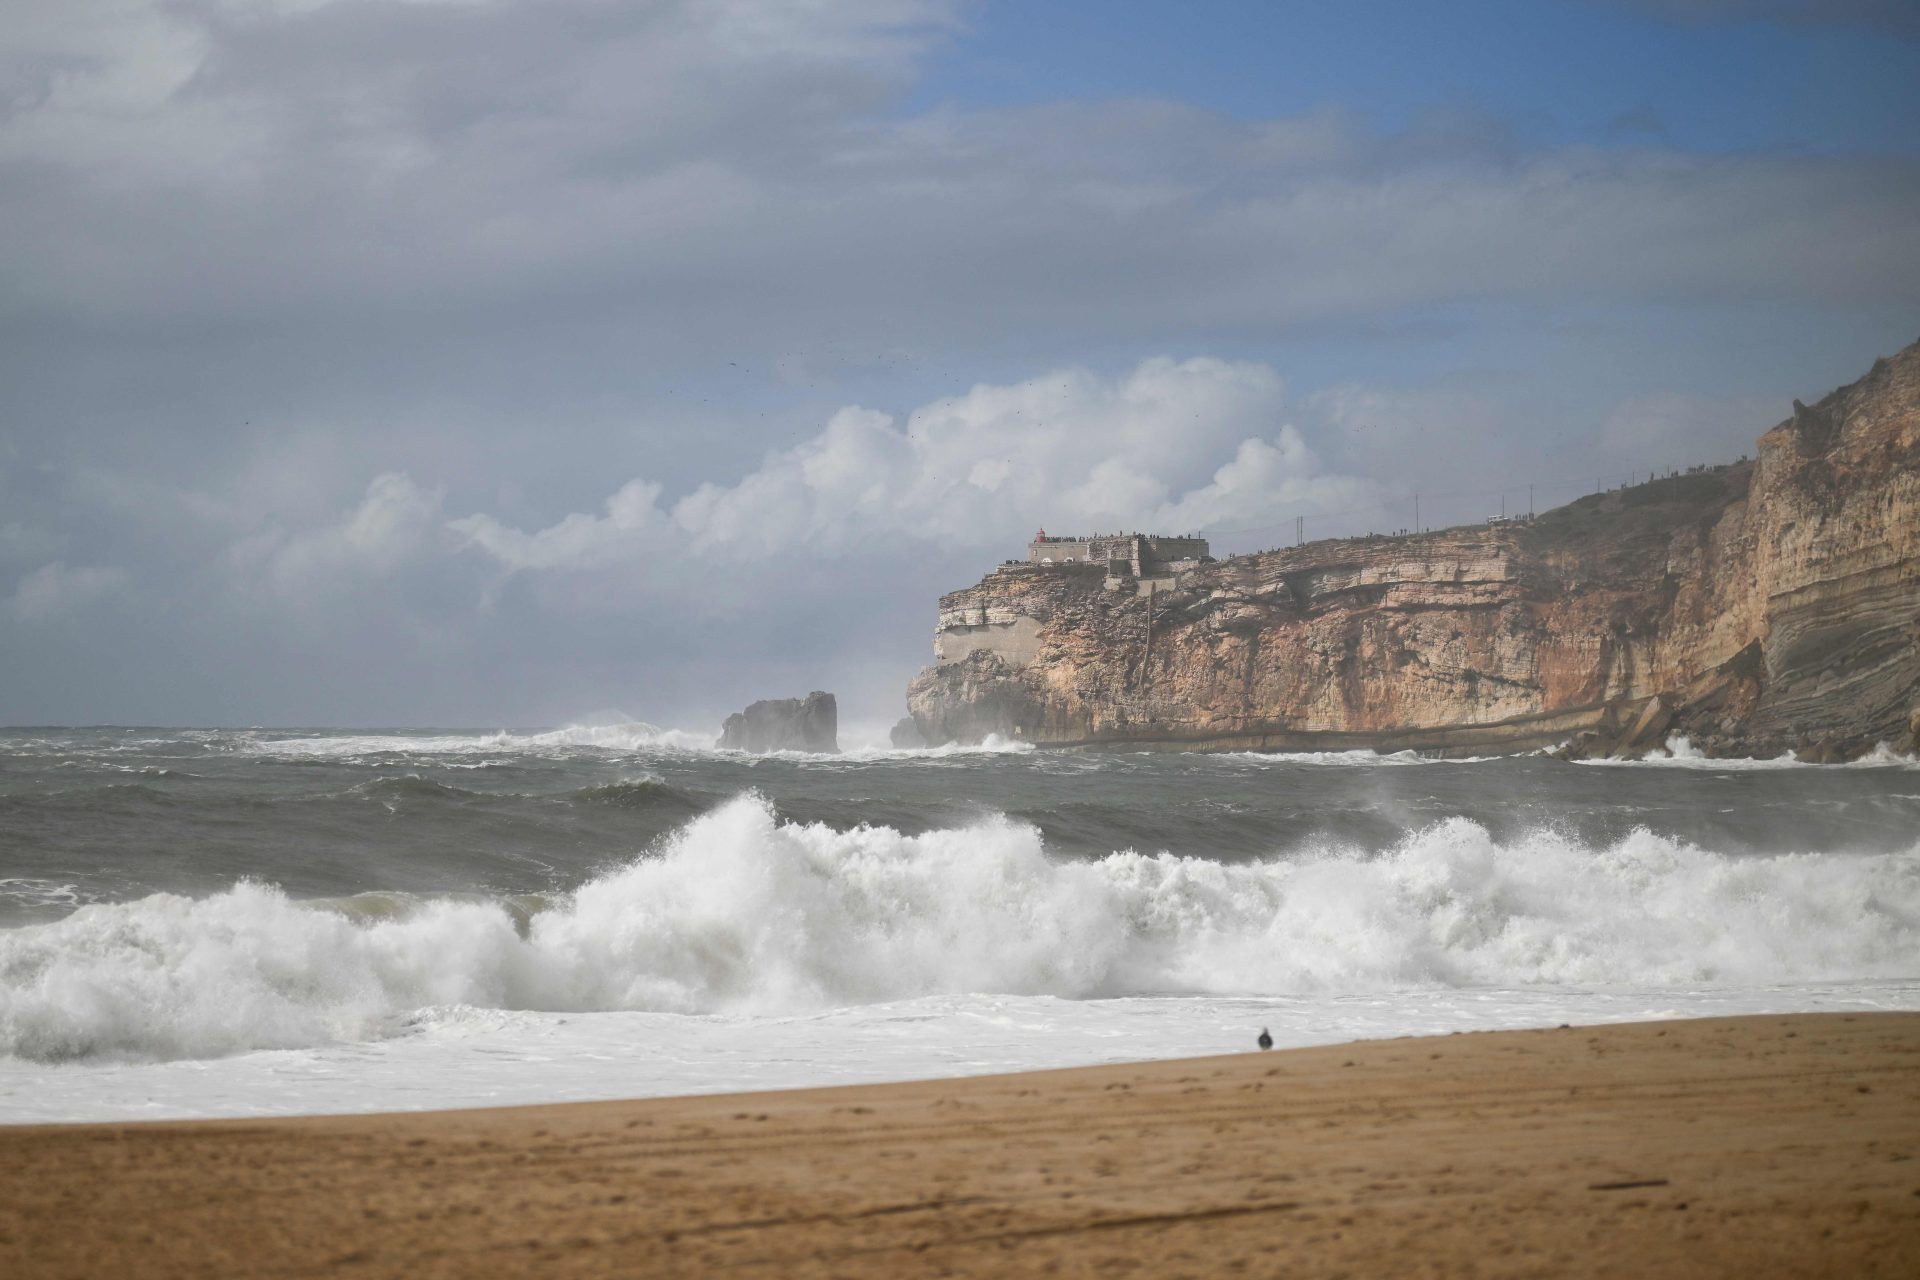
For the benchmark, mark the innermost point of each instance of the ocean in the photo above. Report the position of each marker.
(265, 922)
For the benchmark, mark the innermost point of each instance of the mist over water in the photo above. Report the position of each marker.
(186, 895)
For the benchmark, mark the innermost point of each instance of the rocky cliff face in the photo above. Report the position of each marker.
(811, 723)
(1758, 607)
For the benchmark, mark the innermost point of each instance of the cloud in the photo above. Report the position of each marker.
(320, 152)
(631, 526)
(57, 589)
(1171, 445)
(1469, 443)
(395, 522)
(708, 171)
(1265, 479)
(815, 565)
(513, 259)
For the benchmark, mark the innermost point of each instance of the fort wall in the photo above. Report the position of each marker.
(1136, 555)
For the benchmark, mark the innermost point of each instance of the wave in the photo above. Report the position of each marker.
(992, 745)
(410, 786)
(391, 904)
(739, 912)
(101, 794)
(1682, 754)
(626, 736)
(1354, 757)
(644, 792)
(647, 791)
(40, 893)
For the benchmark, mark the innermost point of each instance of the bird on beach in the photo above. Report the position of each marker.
(1265, 1041)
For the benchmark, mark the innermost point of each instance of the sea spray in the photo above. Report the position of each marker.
(621, 738)
(1679, 752)
(169, 976)
(739, 912)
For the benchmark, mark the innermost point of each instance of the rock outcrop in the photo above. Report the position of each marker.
(1755, 608)
(811, 723)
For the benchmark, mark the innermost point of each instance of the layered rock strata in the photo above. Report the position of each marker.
(1755, 608)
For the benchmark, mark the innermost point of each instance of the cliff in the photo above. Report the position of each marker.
(1758, 607)
(811, 723)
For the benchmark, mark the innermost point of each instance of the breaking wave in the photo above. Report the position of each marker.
(644, 792)
(625, 736)
(992, 745)
(1363, 758)
(410, 786)
(740, 912)
(38, 892)
(1680, 753)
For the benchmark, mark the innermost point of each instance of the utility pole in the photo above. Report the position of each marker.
(1416, 515)
(1529, 501)
(1146, 662)
(1299, 531)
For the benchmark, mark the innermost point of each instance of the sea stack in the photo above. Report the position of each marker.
(811, 724)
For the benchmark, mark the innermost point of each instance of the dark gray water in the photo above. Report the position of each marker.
(172, 894)
(110, 815)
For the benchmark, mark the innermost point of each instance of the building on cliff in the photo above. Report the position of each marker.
(1125, 555)
(1765, 606)
(1130, 563)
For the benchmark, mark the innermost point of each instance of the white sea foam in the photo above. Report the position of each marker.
(1680, 753)
(39, 892)
(992, 745)
(462, 1056)
(1343, 758)
(740, 914)
(623, 736)
(618, 738)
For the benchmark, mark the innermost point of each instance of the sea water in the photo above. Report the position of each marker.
(216, 922)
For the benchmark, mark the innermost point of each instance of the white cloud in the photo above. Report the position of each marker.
(278, 159)
(1172, 445)
(1469, 443)
(395, 522)
(1406, 433)
(56, 589)
(632, 524)
(1268, 478)
(257, 251)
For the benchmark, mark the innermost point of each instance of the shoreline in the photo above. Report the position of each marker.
(1780, 1145)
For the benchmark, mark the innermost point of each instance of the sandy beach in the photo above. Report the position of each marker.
(1752, 1146)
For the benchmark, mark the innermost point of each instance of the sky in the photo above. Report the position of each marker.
(514, 363)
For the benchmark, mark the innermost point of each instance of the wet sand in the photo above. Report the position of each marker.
(1779, 1146)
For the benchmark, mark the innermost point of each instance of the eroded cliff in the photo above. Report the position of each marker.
(1757, 607)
